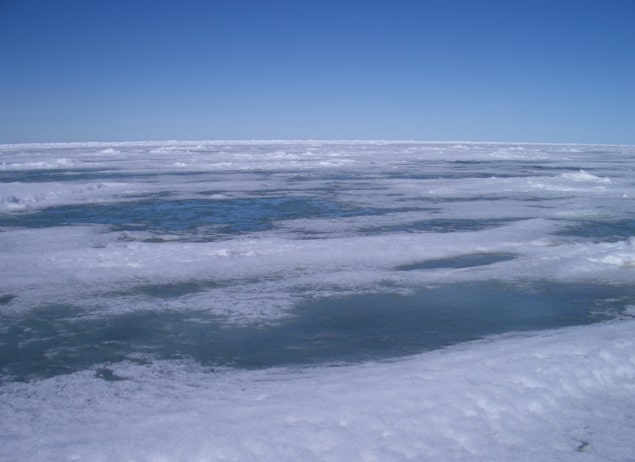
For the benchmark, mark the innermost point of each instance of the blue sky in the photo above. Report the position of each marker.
(515, 70)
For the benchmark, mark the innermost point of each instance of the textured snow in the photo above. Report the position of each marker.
(97, 226)
(555, 396)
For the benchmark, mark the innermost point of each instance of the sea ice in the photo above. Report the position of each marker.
(139, 278)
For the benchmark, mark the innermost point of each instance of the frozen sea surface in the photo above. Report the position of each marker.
(317, 300)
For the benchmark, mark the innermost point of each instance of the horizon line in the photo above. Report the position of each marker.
(297, 140)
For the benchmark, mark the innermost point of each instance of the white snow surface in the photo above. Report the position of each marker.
(557, 396)
(560, 395)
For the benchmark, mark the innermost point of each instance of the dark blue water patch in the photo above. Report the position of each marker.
(57, 340)
(100, 174)
(462, 261)
(64, 175)
(452, 175)
(172, 290)
(172, 215)
(600, 231)
(441, 225)
(512, 169)
(175, 289)
(5, 299)
(478, 169)
(337, 177)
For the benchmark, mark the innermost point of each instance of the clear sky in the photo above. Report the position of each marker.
(515, 70)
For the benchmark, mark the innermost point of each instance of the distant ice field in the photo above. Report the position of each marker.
(272, 288)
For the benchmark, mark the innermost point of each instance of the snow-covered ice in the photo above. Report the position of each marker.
(319, 300)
